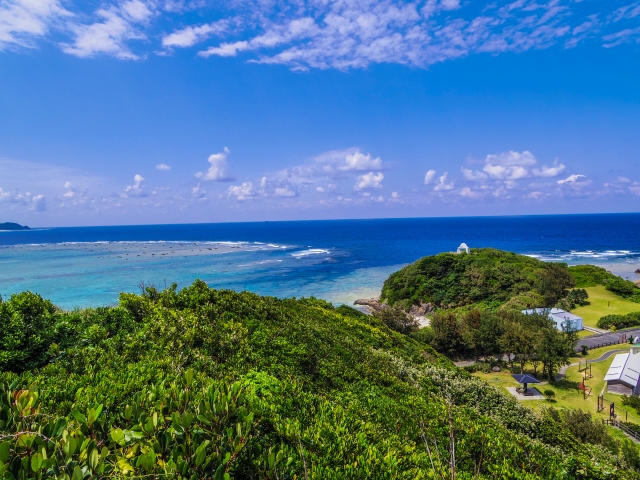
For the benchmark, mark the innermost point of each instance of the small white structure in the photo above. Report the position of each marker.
(463, 248)
(623, 374)
(564, 320)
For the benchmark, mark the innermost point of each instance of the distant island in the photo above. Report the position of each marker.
(12, 226)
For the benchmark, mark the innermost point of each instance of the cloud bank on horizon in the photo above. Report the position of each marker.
(302, 35)
(330, 180)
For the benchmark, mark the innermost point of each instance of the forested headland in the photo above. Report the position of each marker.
(204, 383)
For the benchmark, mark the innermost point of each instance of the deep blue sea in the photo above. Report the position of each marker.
(338, 260)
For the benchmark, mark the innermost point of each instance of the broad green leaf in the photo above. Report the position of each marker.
(79, 417)
(188, 377)
(117, 436)
(77, 474)
(5, 451)
(36, 462)
(94, 459)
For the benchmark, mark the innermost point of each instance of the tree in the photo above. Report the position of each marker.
(489, 334)
(397, 319)
(446, 333)
(27, 327)
(553, 351)
(513, 334)
(553, 281)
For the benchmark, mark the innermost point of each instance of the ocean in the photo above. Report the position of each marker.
(337, 260)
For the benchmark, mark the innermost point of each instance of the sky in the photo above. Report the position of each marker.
(183, 111)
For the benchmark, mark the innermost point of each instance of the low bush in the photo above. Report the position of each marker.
(619, 321)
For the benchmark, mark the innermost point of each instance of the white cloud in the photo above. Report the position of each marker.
(285, 192)
(322, 34)
(137, 189)
(472, 176)
(571, 179)
(191, 35)
(109, 35)
(623, 180)
(442, 183)
(163, 166)
(23, 21)
(39, 203)
(199, 192)
(511, 158)
(360, 161)
(369, 180)
(511, 166)
(320, 189)
(553, 171)
(429, 177)
(218, 171)
(467, 192)
(242, 192)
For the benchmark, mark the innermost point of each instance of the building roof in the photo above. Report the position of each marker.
(625, 368)
(556, 313)
(525, 378)
(563, 315)
(463, 245)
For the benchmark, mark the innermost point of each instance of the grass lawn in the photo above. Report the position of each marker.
(567, 393)
(603, 302)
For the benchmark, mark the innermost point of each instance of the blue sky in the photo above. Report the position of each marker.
(165, 111)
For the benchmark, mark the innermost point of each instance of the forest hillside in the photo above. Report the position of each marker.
(204, 383)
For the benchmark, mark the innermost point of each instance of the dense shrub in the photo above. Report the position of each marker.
(27, 330)
(397, 319)
(203, 383)
(619, 321)
(487, 276)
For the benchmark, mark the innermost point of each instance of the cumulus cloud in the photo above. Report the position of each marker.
(472, 176)
(571, 179)
(39, 203)
(285, 192)
(467, 192)
(242, 192)
(429, 177)
(137, 189)
(511, 166)
(360, 161)
(371, 180)
(442, 183)
(163, 166)
(218, 171)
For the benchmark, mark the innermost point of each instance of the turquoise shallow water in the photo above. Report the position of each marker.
(336, 260)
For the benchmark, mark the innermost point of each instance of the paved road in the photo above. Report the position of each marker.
(609, 337)
(601, 358)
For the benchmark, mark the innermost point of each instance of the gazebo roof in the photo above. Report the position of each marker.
(525, 378)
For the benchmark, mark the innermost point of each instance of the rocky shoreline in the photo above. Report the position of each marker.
(419, 312)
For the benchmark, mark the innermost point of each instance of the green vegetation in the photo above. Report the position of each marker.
(486, 277)
(620, 321)
(591, 276)
(603, 302)
(491, 334)
(203, 383)
(12, 226)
